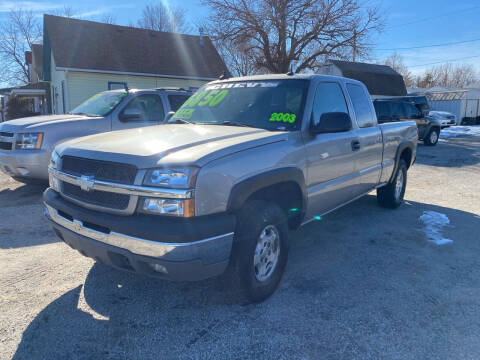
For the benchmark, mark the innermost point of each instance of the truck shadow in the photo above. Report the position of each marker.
(454, 152)
(339, 270)
(21, 218)
(22, 195)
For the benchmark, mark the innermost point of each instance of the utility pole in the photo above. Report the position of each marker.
(354, 46)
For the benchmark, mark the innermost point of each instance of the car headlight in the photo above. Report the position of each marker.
(171, 178)
(29, 141)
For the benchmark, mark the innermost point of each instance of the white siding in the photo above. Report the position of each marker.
(82, 85)
(56, 90)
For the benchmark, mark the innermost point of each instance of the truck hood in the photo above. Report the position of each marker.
(171, 144)
(35, 123)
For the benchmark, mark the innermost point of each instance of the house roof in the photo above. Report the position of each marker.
(379, 79)
(88, 45)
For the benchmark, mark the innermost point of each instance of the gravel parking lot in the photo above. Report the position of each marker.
(362, 283)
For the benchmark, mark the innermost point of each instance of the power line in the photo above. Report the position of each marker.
(446, 61)
(428, 46)
(433, 17)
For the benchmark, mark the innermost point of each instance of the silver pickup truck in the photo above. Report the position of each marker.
(218, 188)
(26, 144)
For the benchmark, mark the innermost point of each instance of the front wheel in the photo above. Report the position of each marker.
(432, 137)
(391, 195)
(260, 250)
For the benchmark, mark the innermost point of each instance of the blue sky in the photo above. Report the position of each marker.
(408, 23)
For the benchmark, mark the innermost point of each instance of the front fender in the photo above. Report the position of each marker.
(245, 188)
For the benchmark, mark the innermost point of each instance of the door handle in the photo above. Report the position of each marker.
(355, 145)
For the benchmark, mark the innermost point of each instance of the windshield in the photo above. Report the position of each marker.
(100, 104)
(271, 105)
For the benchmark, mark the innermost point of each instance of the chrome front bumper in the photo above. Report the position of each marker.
(177, 261)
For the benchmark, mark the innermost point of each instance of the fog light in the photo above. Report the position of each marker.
(169, 207)
(159, 268)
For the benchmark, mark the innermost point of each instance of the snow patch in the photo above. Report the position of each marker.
(434, 222)
(460, 131)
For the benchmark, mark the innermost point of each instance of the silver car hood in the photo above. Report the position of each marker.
(171, 144)
(34, 123)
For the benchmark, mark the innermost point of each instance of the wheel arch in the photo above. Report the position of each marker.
(404, 152)
(284, 186)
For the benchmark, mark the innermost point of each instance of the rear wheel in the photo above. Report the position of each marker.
(260, 250)
(432, 137)
(391, 195)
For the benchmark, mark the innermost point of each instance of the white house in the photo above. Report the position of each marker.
(81, 58)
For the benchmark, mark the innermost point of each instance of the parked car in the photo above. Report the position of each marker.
(239, 164)
(26, 144)
(446, 119)
(395, 109)
(420, 102)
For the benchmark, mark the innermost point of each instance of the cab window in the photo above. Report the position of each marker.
(328, 98)
(149, 106)
(361, 105)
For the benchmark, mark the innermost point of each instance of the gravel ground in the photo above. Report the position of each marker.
(362, 283)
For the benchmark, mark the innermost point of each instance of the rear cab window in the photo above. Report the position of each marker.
(177, 100)
(361, 105)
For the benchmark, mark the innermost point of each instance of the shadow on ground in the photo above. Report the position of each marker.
(465, 149)
(350, 291)
(23, 195)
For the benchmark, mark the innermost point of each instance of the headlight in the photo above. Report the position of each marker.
(174, 207)
(53, 181)
(28, 141)
(54, 160)
(171, 178)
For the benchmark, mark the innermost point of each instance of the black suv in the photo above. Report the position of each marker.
(406, 108)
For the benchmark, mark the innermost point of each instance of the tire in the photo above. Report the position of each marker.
(258, 223)
(390, 196)
(432, 137)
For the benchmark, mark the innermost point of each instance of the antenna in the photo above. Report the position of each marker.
(125, 86)
(291, 73)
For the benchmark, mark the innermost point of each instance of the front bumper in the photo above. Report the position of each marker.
(31, 164)
(193, 256)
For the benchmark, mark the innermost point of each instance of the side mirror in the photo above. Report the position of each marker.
(332, 122)
(130, 114)
(168, 116)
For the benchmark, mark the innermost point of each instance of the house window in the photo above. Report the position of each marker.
(113, 85)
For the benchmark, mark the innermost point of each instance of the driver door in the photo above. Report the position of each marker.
(142, 110)
(330, 156)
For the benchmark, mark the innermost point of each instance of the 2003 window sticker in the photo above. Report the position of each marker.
(283, 117)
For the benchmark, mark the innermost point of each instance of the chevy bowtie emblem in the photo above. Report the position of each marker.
(87, 182)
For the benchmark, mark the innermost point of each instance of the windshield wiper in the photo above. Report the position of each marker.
(179, 121)
(233, 123)
(82, 113)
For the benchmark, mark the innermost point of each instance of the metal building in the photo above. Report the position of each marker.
(464, 103)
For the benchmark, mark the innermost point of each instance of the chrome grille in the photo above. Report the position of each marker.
(99, 198)
(101, 171)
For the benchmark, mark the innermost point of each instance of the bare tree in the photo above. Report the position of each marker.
(280, 33)
(160, 17)
(65, 11)
(109, 19)
(449, 75)
(238, 58)
(395, 61)
(18, 32)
